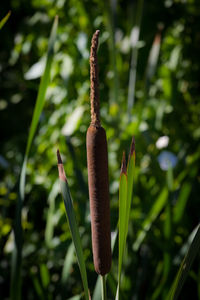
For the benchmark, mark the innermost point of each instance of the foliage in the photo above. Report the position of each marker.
(165, 203)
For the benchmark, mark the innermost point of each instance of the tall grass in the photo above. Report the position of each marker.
(72, 224)
(15, 287)
(161, 204)
(135, 34)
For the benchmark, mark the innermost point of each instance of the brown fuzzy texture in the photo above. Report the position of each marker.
(97, 158)
(94, 81)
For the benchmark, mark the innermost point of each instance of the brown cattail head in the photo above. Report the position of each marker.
(94, 81)
(97, 160)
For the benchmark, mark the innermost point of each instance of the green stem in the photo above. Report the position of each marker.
(103, 287)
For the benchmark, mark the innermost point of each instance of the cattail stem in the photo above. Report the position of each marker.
(103, 288)
(97, 160)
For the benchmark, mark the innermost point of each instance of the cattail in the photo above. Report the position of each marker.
(97, 161)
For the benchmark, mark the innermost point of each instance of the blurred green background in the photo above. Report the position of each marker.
(149, 87)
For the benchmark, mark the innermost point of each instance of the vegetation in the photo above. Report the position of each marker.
(149, 87)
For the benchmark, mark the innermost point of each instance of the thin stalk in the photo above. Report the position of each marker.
(134, 57)
(103, 287)
(168, 233)
(110, 20)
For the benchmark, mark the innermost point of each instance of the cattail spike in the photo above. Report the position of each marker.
(97, 159)
(94, 81)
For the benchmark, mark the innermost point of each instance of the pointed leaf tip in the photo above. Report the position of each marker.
(123, 167)
(61, 170)
(132, 146)
(59, 157)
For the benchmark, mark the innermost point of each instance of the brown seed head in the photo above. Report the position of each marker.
(94, 81)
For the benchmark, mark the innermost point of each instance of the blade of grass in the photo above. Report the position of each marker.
(110, 14)
(167, 234)
(38, 288)
(153, 214)
(45, 276)
(135, 33)
(67, 264)
(50, 224)
(15, 287)
(185, 267)
(72, 224)
(179, 209)
(153, 59)
(97, 289)
(122, 215)
(5, 19)
(185, 247)
(130, 175)
(125, 197)
(39, 102)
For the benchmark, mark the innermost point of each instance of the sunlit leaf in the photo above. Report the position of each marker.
(72, 224)
(125, 197)
(15, 287)
(185, 267)
(5, 19)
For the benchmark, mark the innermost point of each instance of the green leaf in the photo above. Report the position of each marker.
(50, 223)
(182, 201)
(97, 289)
(130, 177)
(125, 197)
(185, 267)
(134, 56)
(153, 214)
(73, 225)
(45, 277)
(69, 258)
(39, 103)
(38, 287)
(4, 20)
(153, 59)
(15, 287)
(122, 215)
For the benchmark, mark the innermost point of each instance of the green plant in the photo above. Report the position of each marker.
(99, 208)
(166, 106)
(15, 287)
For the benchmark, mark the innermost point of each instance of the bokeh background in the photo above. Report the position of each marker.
(150, 88)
